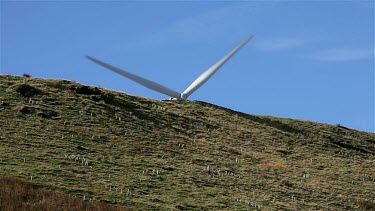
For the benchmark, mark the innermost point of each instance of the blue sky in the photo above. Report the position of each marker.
(307, 60)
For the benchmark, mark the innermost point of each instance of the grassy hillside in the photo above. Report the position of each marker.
(148, 154)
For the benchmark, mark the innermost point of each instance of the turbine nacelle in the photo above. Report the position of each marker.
(167, 91)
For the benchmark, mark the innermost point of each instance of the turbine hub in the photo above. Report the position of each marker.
(183, 96)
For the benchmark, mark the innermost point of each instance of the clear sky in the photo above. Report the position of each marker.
(308, 60)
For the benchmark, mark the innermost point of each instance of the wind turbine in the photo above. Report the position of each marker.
(167, 91)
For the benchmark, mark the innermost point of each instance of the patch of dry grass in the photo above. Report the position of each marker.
(18, 195)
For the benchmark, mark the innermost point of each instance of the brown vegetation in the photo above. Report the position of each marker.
(366, 204)
(18, 195)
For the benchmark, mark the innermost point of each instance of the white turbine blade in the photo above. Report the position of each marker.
(210, 71)
(145, 82)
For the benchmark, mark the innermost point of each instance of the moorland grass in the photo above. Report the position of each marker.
(145, 154)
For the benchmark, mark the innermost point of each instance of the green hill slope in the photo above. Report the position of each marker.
(148, 154)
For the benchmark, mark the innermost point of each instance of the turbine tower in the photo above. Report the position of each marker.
(167, 91)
